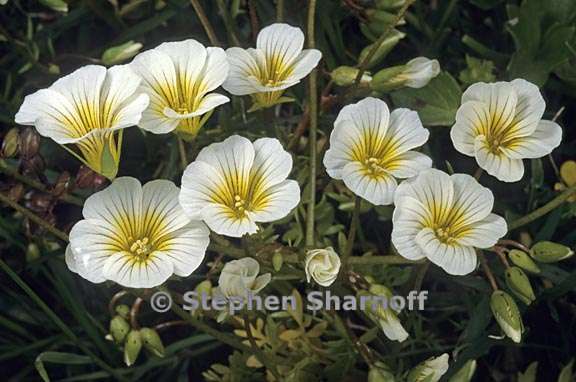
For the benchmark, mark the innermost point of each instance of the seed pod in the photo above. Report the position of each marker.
(549, 252)
(277, 261)
(10, 143)
(123, 311)
(119, 328)
(16, 192)
(152, 341)
(29, 142)
(62, 184)
(34, 165)
(346, 75)
(507, 315)
(132, 347)
(519, 284)
(523, 260)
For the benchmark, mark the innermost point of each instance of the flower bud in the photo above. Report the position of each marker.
(523, 260)
(152, 341)
(277, 261)
(239, 278)
(385, 316)
(430, 370)
(56, 5)
(519, 284)
(32, 252)
(385, 47)
(415, 74)
(507, 315)
(62, 184)
(549, 252)
(120, 53)
(10, 143)
(132, 347)
(322, 265)
(123, 311)
(389, 4)
(29, 142)
(346, 76)
(466, 373)
(119, 328)
(379, 374)
(205, 287)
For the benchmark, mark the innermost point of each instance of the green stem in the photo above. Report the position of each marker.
(364, 64)
(4, 168)
(35, 218)
(59, 323)
(539, 212)
(205, 22)
(313, 107)
(352, 232)
(279, 11)
(228, 22)
(182, 151)
(487, 270)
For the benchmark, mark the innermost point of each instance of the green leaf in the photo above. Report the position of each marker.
(566, 374)
(59, 358)
(529, 375)
(436, 103)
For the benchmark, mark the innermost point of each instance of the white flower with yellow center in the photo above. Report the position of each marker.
(137, 236)
(277, 63)
(370, 148)
(178, 77)
(444, 218)
(87, 108)
(500, 124)
(234, 184)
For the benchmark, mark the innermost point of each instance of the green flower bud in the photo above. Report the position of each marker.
(32, 252)
(466, 373)
(277, 261)
(123, 311)
(380, 290)
(346, 75)
(57, 5)
(430, 370)
(523, 260)
(549, 252)
(377, 374)
(507, 315)
(119, 328)
(385, 47)
(132, 347)
(152, 341)
(519, 284)
(10, 143)
(205, 287)
(389, 4)
(120, 53)
(388, 79)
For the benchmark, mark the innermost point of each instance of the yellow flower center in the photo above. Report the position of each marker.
(374, 166)
(141, 248)
(239, 206)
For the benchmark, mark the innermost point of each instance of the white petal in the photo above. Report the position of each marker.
(485, 233)
(305, 63)
(500, 166)
(420, 71)
(530, 106)
(501, 99)
(158, 75)
(472, 119)
(209, 102)
(161, 208)
(368, 116)
(473, 201)
(377, 190)
(82, 87)
(123, 269)
(408, 220)
(153, 118)
(70, 259)
(545, 138)
(222, 220)
(281, 41)
(272, 164)
(188, 57)
(187, 246)
(216, 68)
(409, 164)
(406, 130)
(454, 259)
(392, 328)
(243, 65)
(280, 200)
(200, 185)
(231, 158)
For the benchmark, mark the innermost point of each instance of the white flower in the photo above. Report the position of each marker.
(277, 63)
(240, 278)
(234, 184)
(178, 77)
(322, 265)
(137, 236)
(370, 148)
(387, 316)
(500, 124)
(86, 108)
(419, 71)
(430, 370)
(443, 218)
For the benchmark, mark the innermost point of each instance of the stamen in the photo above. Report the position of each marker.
(141, 247)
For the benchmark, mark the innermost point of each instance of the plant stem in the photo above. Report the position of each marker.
(539, 212)
(37, 185)
(352, 232)
(35, 218)
(260, 355)
(313, 107)
(182, 151)
(59, 323)
(478, 173)
(279, 11)
(134, 313)
(228, 22)
(487, 271)
(364, 64)
(205, 22)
